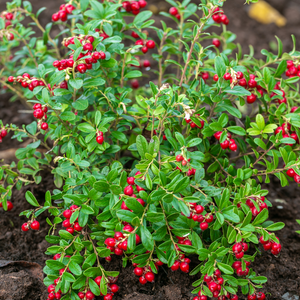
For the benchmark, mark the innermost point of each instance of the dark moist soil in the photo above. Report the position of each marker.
(22, 281)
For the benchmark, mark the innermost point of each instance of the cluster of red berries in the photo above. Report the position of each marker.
(67, 224)
(228, 143)
(239, 248)
(111, 287)
(183, 240)
(145, 274)
(274, 96)
(100, 137)
(258, 296)
(182, 263)
(219, 16)
(240, 80)
(134, 6)
(192, 124)
(270, 245)
(285, 129)
(145, 63)
(3, 134)
(7, 16)
(293, 69)
(237, 265)
(119, 242)
(26, 81)
(40, 113)
(34, 225)
(174, 12)
(91, 57)
(128, 190)
(214, 284)
(51, 290)
(180, 158)
(260, 201)
(147, 44)
(64, 11)
(293, 174)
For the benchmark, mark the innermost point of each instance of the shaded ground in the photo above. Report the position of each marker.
(283, 272)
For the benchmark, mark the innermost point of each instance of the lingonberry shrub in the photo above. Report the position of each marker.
(156, 172)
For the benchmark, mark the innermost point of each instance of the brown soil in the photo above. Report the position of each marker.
(283, 272)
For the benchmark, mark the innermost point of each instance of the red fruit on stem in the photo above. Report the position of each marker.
(35, 225)
(173, 11)
(25, 227)
(216, 43)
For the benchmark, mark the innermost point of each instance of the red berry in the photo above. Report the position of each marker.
(25, 227)
(251, 98)
(66, 223)
(237, 264)
(207, 279)
(146, 64)
(184, 267)
(81, 295)
(110, 242)
(239, 75)
(143, 280)
(212, 286)
(227, 76)
(204, 226)
(225, 144)
(138, 271)
(11, 79)
(199, 209)
(233, 147)
(55, 17)
(3, 133)
(67, 214)
(239, 255)
(81, 68)
(173, 11)
(142, 3)
(70, 230)
(237, 248)
(77, 227)
(261, 296)
(128, 190)
(44, 126)
(98, 280)
(134, 35)
(135, 84)
(128, 228)
(175, 266)
(108, 297)
(251, 297)
(252, 83)
(150, 44)
(100, 139)
(89, 295)
(88, 47)
(297, 178)
(144, 49)
(149, 276)
(179, 158)
(35, 225)
(216, 77)
(216, 43)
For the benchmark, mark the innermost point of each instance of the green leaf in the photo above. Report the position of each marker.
(93, 82)
(276, 226)
(237, 130)
(126, 215)
(81, 104)
(237, 91)
(120, 136)
(142, 145)
(141, 18)
(75, 268)
(76, 83)
(147, 239)
(220, 66)
(31, 199)
(262, 216)
(134, 74)
(194, 142)
(101, 186)
(225, 268)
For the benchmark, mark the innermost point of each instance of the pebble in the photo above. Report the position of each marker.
(288, 296)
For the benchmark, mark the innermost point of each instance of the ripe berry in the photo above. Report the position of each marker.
(10, 79)
(89, 295)
(199, 209)
(110, 242)
(70, 230)
(25, 227)
(225, 144)
(237, 248)
(108, 297)
(143, 280)
(251, 297)
(212, 286)
(227, 76)
(100, 139)
(144, 49)
(67, 214)
(81, 295)
(216, 77)
(261, 296)
(233, 147)
(135, 84)
(44, 126)
(297, 178)
(149, 276)
(184, 267)
(77, 227)
(207, 278)
(237, 264)
(216, 43)
(66, 223)
(179, 158)
(173, 11)
(239, 255)
(251, 98)
(128, 190)
(35, 225)
(204, 226)
(146, 64)
(138, 271)
(150, 44)
(3, 133)
(128, 228)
